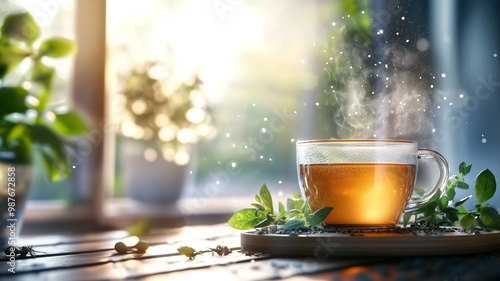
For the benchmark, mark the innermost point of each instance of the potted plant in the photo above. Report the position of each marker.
(29, 126)
(162, 121)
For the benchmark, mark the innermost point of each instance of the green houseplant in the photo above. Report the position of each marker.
(162, 120)
(28, 125)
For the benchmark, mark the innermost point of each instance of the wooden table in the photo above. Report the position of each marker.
(92, 257)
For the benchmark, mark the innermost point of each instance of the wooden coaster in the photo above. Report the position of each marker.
(338, 245)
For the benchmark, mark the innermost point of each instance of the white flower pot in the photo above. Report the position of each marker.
(15, 181)
(157, 181)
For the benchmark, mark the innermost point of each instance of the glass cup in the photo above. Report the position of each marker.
(369, 183)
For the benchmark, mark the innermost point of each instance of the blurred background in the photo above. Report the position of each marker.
(195, 104)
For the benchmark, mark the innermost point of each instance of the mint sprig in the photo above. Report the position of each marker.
(443, 209)
(297, 214)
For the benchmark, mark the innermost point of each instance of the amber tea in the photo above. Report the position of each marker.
(366, 194)
(368, 183)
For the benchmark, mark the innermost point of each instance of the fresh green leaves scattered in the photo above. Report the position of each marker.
(443, 209)
(298, 213)
(26, 124)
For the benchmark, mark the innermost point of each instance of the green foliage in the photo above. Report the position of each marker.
(442, 210)
(26, 124)
(298, 213)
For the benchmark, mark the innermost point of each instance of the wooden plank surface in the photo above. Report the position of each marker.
(92, 257)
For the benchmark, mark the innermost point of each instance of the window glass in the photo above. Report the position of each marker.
(226, 88)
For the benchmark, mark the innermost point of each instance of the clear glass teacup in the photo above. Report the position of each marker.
(369, 183)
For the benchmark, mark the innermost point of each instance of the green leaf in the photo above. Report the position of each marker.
(430, 208)
(443, 202)
(461, 168)
(461, 210)
(450, 210)
(406, 218)
(485, 186)
(459, 203)
(56, 170)
(294, 211)
(17, 132)
(292, 203)
(57, 48)
(259, 206)
(16, 97)
(291, 224)
(319, 216)
(268, 221)
(10, 56)
(266, 198)
(188, 252)
(419, 190)
(282, 210)
(246, 219)
(467, 169)
(489, 215)
(257, 198)
(295, 195)
(70, 123)
(42, 74)
(452, 217)
(450, 193)
(20, 27)
(468, 222)
(53, 151)
(461, 185)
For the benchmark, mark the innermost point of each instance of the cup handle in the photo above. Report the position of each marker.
(444, 173)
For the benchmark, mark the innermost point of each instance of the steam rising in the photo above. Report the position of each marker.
(378, 90)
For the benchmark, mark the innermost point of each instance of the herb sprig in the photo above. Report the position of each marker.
(443, 210)
(297, 214)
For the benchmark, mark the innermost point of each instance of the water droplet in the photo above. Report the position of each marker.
(233, 164)
(334, 23)
(495, 55)
(292, 140)
(443, 75)
(451, 103)
(362, 12)
(217, 182)
(369, 56)
(270, 159)
(380, 32)
(432, 86)
(433, 130)
(331, 58)
(254, 105)
(386, 66)
(439, 107)
(483, 140)
(374, 135)
(264, 130)
(74, 167)
(407, 40)
(461, 96)
(445, 98)
(261, 157)
(228, 135)
(265, 118)
(402, 18)
(302, 61)
(317, 103)
(280, 193)
(397, 33)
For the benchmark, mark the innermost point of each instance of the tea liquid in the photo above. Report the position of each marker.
(366, 194)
